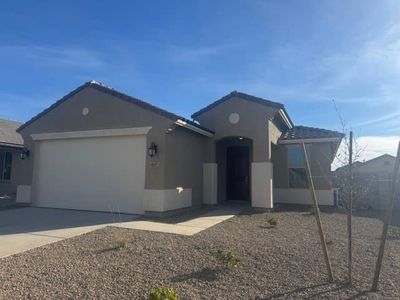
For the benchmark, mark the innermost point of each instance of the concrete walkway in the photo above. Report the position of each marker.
(31, 227)
(189, 227)
(28, 228)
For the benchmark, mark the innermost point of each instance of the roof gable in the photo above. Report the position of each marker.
(381, 157)
(243, 96)
(105, 89)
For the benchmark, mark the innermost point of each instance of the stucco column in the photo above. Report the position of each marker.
(261, 185)
(210, 183)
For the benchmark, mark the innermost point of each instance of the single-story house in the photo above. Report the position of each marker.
(372, 182)
(11, 145)
(99, 149)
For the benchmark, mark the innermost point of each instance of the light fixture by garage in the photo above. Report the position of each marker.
(24, 154)
(152, 150)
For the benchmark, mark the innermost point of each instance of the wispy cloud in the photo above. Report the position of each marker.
(12, 104)
(54, 56)
(197, 54)
(382, 119)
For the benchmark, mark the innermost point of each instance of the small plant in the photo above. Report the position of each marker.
(227, 258)
(330, 242)
(394, 232)
(120, 244)
(272, 222)
(163, 293)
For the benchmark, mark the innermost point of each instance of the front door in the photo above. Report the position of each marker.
(238, 173)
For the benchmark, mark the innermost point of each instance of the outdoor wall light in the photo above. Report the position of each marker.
(24, 154)
(152, 150)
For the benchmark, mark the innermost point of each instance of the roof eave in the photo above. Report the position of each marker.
(11, 145)
(285, 117)
(183, 123)
(312, 140)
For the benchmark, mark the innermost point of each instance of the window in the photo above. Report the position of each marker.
(5, 165)
(296, 166)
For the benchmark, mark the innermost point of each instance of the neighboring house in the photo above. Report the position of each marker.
(11, 145)
(99, 149)
(372, 180)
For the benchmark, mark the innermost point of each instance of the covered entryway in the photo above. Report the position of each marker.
(237, 173)
(99, 170)
(234, 156)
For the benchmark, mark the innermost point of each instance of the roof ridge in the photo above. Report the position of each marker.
(109, 90)
(242, 95)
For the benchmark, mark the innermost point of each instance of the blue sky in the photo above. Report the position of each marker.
(182, 55)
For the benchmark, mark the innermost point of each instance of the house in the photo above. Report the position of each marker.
(99, 149)
(11, 145)
(372, 179)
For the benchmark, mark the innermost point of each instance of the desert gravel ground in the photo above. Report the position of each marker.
(284, 262)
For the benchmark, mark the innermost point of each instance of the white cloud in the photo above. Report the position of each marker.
(371, 147)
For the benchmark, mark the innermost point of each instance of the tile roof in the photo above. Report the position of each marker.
(242, 96)
(108, 90)
(303, 132)
(8, 133)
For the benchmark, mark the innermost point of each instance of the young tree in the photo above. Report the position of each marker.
(351, 190)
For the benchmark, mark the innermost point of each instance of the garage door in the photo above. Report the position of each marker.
(96, 173)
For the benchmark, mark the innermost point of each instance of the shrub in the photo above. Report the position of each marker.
(163, 293)
(227, 258)
(329, 242)
(120, 244)
(394, 232)
(272, 222)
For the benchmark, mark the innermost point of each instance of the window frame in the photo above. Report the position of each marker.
(4, 164)
(289, 167)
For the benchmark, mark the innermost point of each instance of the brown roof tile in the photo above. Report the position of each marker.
(303, 132)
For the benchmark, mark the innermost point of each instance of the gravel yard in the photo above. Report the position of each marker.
(276, 263)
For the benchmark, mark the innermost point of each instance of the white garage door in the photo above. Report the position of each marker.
(96, 173)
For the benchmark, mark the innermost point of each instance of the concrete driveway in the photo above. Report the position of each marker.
(27, 228)
(30, 227)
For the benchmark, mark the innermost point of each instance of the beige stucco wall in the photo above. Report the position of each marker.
(184, 157)
(253, 124)
(321, 154)
(9, 187)
(105, 112)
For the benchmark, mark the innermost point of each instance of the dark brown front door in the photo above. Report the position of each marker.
(237, 173)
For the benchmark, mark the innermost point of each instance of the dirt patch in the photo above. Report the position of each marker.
(279, 262)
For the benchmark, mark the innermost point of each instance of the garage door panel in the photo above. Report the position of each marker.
(103, 174)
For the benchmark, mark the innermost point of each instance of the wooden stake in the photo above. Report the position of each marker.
(388, 216)
(317, 214)
(350, 211)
